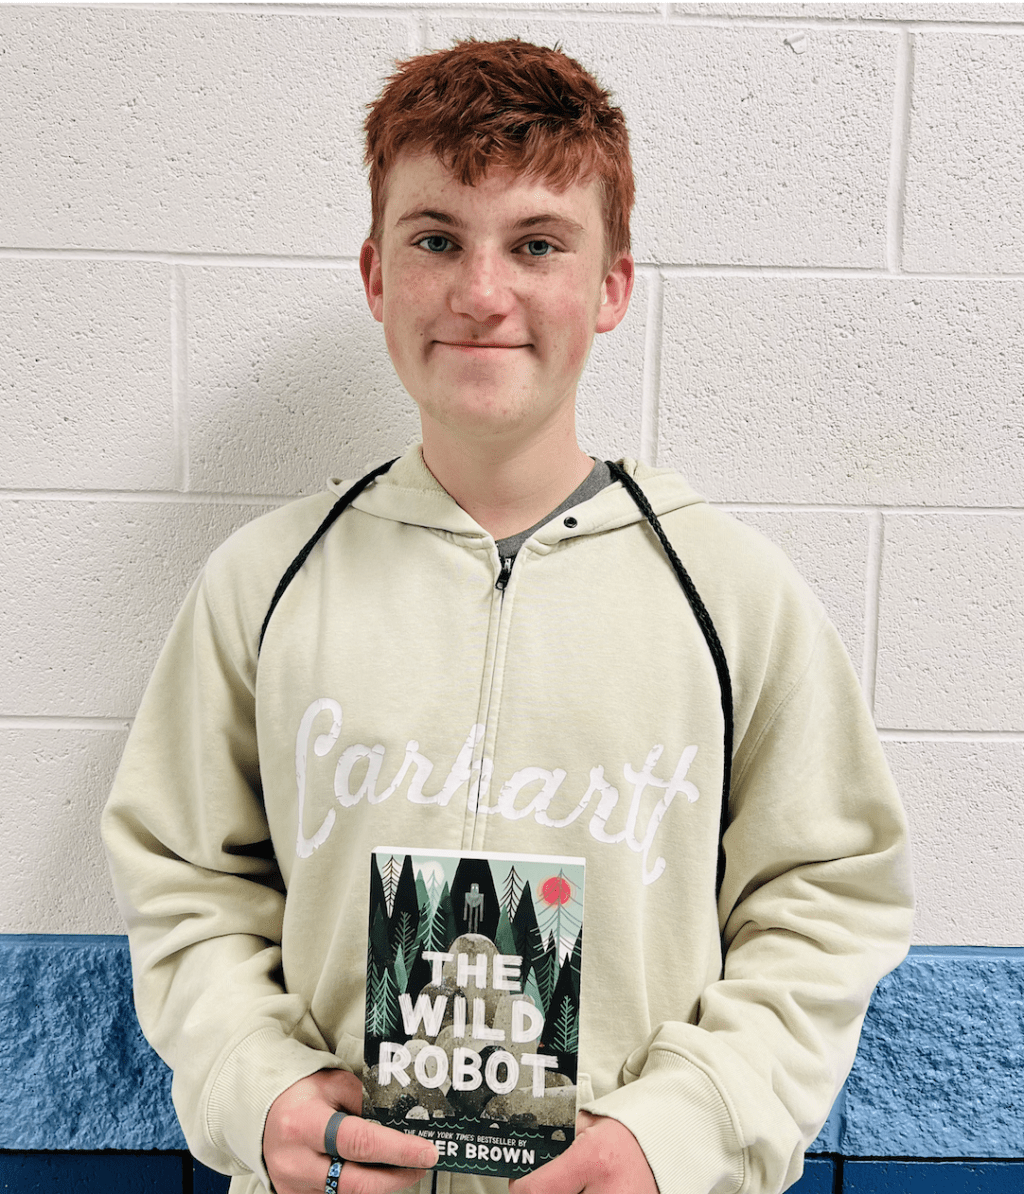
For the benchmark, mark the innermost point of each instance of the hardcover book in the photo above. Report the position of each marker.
(473, 1004)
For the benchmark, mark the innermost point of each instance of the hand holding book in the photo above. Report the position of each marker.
(293, 1139)
(605, 1158)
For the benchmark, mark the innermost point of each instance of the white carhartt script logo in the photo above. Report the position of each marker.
(476, 775)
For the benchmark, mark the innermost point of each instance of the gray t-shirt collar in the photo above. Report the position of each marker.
(597, 479)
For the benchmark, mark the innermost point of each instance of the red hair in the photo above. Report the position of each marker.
(510, 104)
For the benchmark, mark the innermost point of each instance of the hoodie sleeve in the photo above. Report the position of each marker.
(815, 908)
(196, 880)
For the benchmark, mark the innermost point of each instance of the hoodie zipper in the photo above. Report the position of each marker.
(505, 573)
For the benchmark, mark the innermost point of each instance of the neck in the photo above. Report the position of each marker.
(507, 489)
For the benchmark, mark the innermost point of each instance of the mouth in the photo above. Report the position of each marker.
(473, 344)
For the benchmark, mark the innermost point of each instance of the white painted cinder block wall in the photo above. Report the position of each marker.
(826, 338)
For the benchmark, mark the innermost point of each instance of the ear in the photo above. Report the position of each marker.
(615, 291)
(373, 283)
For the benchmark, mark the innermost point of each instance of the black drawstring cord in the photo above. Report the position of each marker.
(346, 499)
(711, 638)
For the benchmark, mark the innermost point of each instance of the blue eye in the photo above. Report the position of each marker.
(538, 248)
(435, 243)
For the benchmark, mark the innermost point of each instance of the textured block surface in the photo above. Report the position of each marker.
(75, 1071)
(830, 551)
(92, 1173)
(965, 170)
(610, 393)
(89, 591)
(940, 1070)
(933, 1177)
(744, 151)
(189, 131)
(951, 622)
(858, 10)
(963, 800)
(844, 389)
(85, 374)
(289, 381)
(55, 878)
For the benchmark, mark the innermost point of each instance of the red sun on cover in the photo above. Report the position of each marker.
(556, 890)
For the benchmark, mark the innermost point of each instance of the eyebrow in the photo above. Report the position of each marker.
(441, 217)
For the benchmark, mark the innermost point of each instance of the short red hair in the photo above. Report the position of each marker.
(510, 104)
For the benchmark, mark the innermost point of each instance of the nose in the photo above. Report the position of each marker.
(482, 286)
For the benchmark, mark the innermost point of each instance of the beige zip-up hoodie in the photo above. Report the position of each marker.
(400, 697)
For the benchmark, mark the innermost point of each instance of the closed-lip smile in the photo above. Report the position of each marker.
(478, 344)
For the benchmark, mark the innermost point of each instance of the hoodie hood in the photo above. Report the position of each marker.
(408, 492)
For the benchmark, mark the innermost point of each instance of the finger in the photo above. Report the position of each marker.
(563, 1175)
(363, 1140)
(357, 1179)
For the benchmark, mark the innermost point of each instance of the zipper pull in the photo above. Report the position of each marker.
(505, 573)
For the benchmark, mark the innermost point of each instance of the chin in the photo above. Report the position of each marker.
(477, 414)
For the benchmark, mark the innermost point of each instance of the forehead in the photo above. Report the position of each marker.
(420, 182)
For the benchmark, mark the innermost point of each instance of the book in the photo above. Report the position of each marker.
(473, 1004)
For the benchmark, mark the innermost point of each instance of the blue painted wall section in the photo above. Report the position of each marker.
(928, 1177)
(45, 1173)
(940, 1069)
(940, 1072)
(75, 1071)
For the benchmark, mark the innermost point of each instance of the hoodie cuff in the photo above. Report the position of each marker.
(257, 1070)
(683, 1124)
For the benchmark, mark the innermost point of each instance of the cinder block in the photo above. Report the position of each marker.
(93, 1173)
(818, 1177)
(189, 131)
(938, 1072)
(951, 622)
(610, 395)
(56, 878)
(964, 206)
(855, 11)
(89, 590)
(933, 1177)
(745, 152)
(289, 381)
(967, 822)
(830, 551)
(75, 1070)
(85, 375)
(844, 390)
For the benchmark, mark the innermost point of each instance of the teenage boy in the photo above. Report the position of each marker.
(499, 643)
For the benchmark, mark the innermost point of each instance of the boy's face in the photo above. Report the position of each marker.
(490, 296)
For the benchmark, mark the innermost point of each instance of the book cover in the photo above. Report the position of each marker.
(472, 1004)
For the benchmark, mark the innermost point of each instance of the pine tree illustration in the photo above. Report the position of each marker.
(504, 938)
(390, 873)
(441, 931)
(511, 893)
(382, 1015)
(423, 897)
(566, 1035)
(561, 1028)
(405, 937)
(529, 943)
(563, 920)
(546, 968)
(577, 963)
(433, 889)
